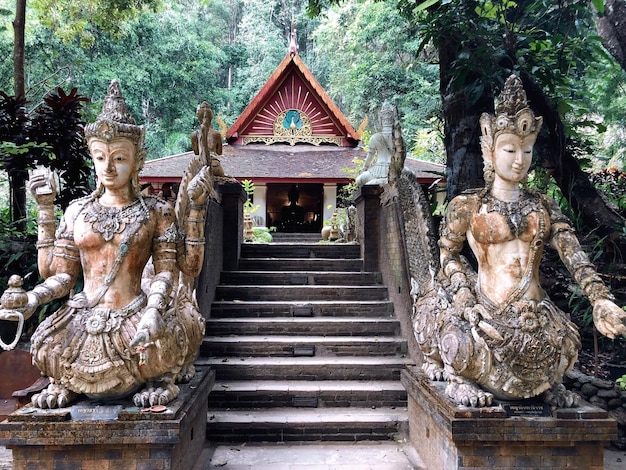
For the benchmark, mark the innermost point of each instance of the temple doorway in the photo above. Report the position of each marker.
(295, 207)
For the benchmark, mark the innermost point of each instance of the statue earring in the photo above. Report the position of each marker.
(489, 173)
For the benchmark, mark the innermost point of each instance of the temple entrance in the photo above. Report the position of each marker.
(295, 207)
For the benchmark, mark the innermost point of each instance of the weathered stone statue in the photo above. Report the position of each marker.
(207, 142)
(495, 333)
(380, 150)
(116, 338)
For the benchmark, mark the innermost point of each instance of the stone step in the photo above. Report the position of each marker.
(300, 278)
(318, 308)
(299, 264)
(319, 326)
(279, 345)
(300, 293)
(306, 368)
(300, 250)
(319, 424)
(299, 238)
(327, 393)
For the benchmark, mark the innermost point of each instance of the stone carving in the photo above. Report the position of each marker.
(207, 142)
(495, 333)
(122, 334)
(381, 149)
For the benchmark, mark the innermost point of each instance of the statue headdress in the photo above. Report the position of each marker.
(513, 115)
(387, 114)
(116, 122)
(204, 111)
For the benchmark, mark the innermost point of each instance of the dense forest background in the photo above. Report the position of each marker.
(223, 51)
(169, 57)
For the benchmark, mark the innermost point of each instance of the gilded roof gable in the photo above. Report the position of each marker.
(292, 107)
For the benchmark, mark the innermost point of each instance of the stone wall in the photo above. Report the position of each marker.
(603, 394)
(394, 268)
(224, 234)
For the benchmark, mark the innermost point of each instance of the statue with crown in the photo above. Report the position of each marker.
(493, 333)
(135, 328)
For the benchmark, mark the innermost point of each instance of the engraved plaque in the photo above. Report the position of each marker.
(527, 410)
(95, 412)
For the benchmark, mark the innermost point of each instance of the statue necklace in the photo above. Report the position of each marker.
(514, 212)
(111, 220)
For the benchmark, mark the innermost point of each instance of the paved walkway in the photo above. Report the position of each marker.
(321, 456)
(330, 456)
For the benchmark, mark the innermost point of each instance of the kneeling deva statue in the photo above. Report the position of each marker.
(135, 327)
(495, 332)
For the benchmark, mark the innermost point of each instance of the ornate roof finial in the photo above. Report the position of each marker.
(293, 44)
(513, 115)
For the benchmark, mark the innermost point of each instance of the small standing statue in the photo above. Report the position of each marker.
(495, 333)
(207, 142)
(114, 338)
(381, 150)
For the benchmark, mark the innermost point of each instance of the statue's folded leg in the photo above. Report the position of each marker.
(434, 370)
(54, 396)
(560, 397)
(466, 392)
(186, 373)
(157, 392)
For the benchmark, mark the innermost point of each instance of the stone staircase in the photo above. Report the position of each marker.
(305, 347)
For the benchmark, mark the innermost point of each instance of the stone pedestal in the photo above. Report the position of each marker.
(116, 436)
(447, 436)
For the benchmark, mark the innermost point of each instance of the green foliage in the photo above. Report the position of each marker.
(248, 206)
(621, 382)
(612, 182)
(58, 125)
(18, 254)
(370, 53)
(554, 42)
(14, 133)
(71, 19)
(262, 234)
(261, 44)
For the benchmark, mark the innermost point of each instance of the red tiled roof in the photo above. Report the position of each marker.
(282, 163)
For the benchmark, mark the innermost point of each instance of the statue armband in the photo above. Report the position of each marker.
(160, 291)
(46, 225)
(164, 247)
(64, 247)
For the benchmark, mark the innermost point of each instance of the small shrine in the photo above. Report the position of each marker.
(294, 144)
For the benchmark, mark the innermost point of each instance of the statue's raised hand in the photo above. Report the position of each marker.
(610, 320)
(200, 187)
(43, 186)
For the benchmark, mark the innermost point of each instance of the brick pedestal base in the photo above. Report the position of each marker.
(87, 436)
(450, 437)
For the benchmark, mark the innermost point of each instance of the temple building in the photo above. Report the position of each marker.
(295, 144)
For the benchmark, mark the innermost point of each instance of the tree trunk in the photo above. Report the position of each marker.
(574, 183)
(17, 180)
(612, 29)
(18, 47)
(464, 167)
